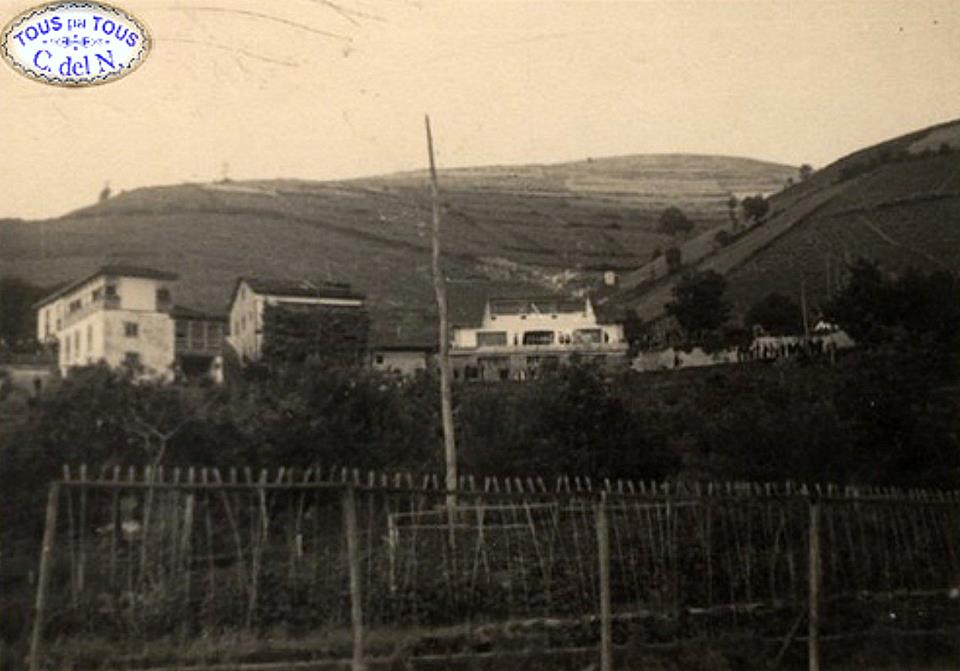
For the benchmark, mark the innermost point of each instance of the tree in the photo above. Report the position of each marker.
(572, 420)
(698, 304)
(17, 317)
(805, 171)
(674, 222)
(732, 204)
(723, 238)
(755, 208)
(674, 258)
(777, 314)
(633, 331)
(913, 309)
(297, 333)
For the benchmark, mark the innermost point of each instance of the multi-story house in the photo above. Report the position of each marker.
(123, 316)
(516, 337)
(304, 318)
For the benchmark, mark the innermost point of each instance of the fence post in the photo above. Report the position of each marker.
(603, 552)
(353, 560)
(46, 556)
(813, 636)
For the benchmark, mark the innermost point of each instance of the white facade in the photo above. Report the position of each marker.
(112, 318)
(518, 336)
(525, 324)
(246, 315)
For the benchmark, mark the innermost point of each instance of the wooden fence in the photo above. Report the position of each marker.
(134, 553)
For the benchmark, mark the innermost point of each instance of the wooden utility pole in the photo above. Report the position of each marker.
(803, 311)
(603, 554)
(349, 504)
(813, 616)
(439, 287)
(46, 561)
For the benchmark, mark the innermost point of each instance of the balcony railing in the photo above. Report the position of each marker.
(105, 303)
(185, 345)
(535, 349)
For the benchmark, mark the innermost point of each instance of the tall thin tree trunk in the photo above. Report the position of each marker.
(439, 287)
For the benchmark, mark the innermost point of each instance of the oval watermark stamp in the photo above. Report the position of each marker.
(78, 43)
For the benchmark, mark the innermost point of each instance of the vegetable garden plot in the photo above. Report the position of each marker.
(191, 554)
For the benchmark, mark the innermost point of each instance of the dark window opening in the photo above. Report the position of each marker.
(538, 338)
(491, 338)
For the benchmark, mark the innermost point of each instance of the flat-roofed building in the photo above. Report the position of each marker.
(514, 338)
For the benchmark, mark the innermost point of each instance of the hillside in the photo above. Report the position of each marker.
(897, 202)
(543, 225)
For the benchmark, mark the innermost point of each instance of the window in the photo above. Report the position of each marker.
(89, 337)
(592, 336)
(76, 343)
(494, 367)
(163, 295)
(131, 359)
(197, 335)
(131, 329)
(538, 338)
(491, 338)
(110, 290)
(75, 305)
(214, 335)
(379, 359)
(97, 294)
(66, 348)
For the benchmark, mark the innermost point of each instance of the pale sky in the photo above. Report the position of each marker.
(255, 86)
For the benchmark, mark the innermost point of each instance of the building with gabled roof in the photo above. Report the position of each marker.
(254, 297)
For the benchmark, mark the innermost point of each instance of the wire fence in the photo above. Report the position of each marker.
(130, 555)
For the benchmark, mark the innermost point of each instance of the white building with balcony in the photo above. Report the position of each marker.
(517, 337)
(124, 316)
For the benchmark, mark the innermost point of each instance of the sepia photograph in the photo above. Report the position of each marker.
(480, 335)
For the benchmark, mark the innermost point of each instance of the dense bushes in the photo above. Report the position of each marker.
(885, 414)
(575, 420)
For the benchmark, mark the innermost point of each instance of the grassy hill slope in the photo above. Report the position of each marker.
(529, 224)
(897, 202)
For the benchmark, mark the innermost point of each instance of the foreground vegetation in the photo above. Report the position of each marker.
(885, 413)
